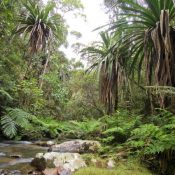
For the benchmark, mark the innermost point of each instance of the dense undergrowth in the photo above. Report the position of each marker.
(123, 132)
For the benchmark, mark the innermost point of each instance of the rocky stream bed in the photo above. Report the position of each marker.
(46, 158)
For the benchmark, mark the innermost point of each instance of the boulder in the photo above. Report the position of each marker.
(2, 154)
(77, 146)
(69, 162)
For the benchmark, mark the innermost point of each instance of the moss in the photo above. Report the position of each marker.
(122, 168)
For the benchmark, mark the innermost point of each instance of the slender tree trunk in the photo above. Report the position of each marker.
(27, 70)
(44, 71)
(116, 98)
(109, 106)
(45, 66)
(116, 95)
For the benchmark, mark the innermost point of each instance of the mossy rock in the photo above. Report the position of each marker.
(39, 163)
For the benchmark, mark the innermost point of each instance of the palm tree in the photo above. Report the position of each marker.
(110, 71)
(149, 33)
(42, 26)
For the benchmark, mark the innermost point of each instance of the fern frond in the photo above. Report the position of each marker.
(13, 119)
(6, 94)
(9, 127)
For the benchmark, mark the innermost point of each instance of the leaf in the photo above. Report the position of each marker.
(9, 127)
(13, 119)
(6, 94)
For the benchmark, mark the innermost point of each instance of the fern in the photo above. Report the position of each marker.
(47, 125)
(157, 137)
(117, 128)
(13, 119)
(114, 130)
(85, 129)
(86, 126)
(8, 126)
(6, 94)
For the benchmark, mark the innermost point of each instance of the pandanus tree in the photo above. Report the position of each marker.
(42, 26)
(148, 31)
(107, 62)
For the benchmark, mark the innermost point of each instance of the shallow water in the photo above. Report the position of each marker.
(24, 150)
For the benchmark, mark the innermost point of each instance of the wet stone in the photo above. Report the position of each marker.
(14, 172)
(39, 163)
(2, 154)
(17, 156)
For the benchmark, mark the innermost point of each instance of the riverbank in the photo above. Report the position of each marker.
(16, 157)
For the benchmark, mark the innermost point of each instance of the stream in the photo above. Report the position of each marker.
(16, 156)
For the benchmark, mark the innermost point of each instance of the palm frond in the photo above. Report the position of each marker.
(40, 26)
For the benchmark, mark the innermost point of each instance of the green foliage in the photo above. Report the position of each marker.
(59, 91)
(14, 119)
(70, 5)
(107, 61)
(84, 100)
(117, 128)
(86, 129)
(30, 95)
(48, 126)
(5, 94)
(41, 26)
(157, 137)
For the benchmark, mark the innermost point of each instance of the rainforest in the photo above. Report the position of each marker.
(104, 107)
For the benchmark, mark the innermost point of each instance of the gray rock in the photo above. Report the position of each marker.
(77, 146)
(2, 154)
(68, 161)
(65, 172)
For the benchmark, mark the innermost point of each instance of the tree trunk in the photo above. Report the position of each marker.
(44, 71)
